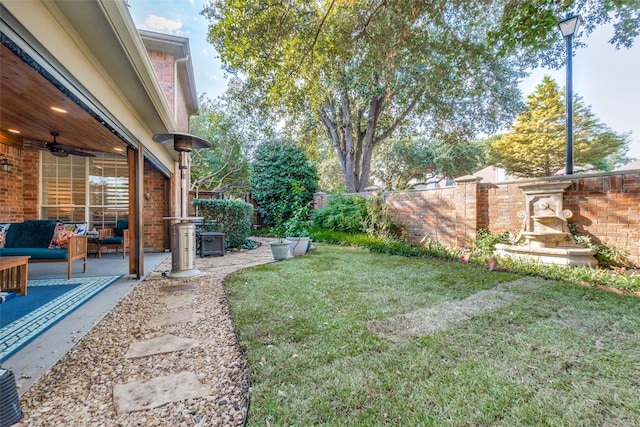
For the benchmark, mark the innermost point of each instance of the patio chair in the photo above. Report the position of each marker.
(118, 237)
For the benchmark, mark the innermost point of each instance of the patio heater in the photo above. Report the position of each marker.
(183, 232)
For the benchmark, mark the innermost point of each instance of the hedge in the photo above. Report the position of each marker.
(232, 217)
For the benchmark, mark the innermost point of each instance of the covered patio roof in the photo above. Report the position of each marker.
(88, 59)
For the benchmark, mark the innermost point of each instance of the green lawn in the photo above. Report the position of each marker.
(542, 353)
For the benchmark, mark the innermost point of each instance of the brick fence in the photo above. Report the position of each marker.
(605, 206)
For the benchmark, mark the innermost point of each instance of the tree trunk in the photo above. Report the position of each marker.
(354, 147)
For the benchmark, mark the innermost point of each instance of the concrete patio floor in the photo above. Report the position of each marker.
(31, 362)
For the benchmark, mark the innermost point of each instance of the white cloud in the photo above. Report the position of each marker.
(164, 25)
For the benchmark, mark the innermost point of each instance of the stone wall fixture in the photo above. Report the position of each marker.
(545, 236)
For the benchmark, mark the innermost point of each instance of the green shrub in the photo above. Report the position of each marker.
(342, 213)
(430, 248)
(299, 222)
(486, 244)
(232, 217)
(277, 165)
(378, 220)
(608, 256)
(436, 249)
(389, 246)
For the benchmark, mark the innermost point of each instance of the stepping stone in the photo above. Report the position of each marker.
(140, 395)
(178, 288)
(171, 318)
(177, 301)
(164, 344)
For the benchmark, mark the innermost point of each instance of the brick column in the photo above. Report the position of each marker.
(466, 201)
(319, 200)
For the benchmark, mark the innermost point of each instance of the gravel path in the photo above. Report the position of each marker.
(78, 390)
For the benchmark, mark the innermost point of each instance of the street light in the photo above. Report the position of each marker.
(568, 28)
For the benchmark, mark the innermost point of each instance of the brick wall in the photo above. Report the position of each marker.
(156, 206)
(31, 193)
(605, 206)
(426, 213)
(11, 186)
(163, 65)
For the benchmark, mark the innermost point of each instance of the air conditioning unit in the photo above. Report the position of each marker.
(10, 411)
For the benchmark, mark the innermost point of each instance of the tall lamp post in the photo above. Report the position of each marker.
(568, 28)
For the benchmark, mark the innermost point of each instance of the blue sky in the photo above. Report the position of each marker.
(607, 79)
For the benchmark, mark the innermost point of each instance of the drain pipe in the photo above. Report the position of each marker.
(175, 80)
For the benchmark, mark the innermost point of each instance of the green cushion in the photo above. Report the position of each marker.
(112, 241)
(35, 253)
(35, 234)
(121, 225)
(12, 233)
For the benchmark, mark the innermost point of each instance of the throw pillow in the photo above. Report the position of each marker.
(81, 228)
(4, 228)
(61, 235)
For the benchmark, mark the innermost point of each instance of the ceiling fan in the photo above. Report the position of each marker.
(63, 150)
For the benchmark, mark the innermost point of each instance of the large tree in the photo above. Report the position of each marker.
(223, 167)
(365, 68)
(403, 162)
(535, 145)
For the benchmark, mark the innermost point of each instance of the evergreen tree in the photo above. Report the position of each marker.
(279, 168)
(536, 143)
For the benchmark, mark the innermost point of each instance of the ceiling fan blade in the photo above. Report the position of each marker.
(61, 147)
(34, 143)
(60, 153)
(81, 153)
(56, 148)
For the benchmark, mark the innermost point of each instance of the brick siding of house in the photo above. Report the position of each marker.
(163, 66)
(157, 189)
(11, 186)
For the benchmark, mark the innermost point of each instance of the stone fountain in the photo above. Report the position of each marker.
(545, 235)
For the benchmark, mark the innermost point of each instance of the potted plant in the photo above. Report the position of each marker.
(298, 225)
(280, 248)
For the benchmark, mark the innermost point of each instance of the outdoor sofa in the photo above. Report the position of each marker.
(45, 241)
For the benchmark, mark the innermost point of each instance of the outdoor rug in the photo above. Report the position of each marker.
(47, 301)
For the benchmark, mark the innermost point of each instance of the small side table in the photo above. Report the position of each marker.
(14, 272)
(94, 242)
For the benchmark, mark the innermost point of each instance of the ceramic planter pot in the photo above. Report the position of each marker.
(280, 249)
(299, 245)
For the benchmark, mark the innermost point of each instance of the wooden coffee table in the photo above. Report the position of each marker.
(14, 272)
